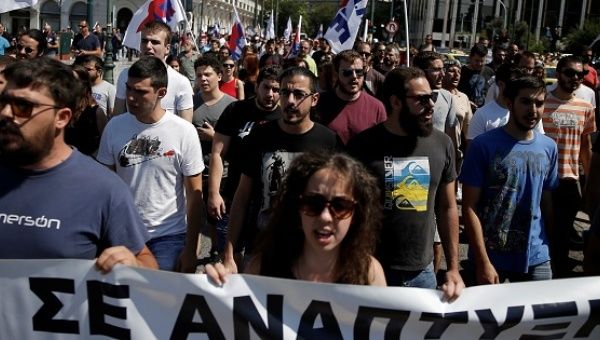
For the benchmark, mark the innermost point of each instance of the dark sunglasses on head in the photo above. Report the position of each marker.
(21, 107)
(425, 98)
(350, 71)
(27, 49)
(339, 207)
(569, 72)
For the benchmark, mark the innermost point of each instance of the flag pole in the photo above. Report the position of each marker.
(406, 30)
(188, 26)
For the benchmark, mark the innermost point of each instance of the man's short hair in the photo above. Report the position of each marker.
(525, 82)
(270, 72)
(506, 72)
(150, 67)
(479, 50)
(56, 77)
(396, 83)
(157, 26)
(211, 61)
(348, 56)
(82, 60)
(523, 55)
(424, 59)
(566, 60)
(38, 36)
(300, 71)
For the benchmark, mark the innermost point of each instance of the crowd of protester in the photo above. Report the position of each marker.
(343, 168)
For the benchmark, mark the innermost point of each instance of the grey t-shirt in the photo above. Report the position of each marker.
(211, 114)
(105, 93)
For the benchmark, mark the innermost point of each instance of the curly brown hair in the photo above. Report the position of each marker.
(281, 244)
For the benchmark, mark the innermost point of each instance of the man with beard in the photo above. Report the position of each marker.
(234, 125)
(475, 76)
(156, 38)
(347, 109)
(103, 91)
(54, 201)
(415, 167)
(507, 177)
(391, 59)
(158, 155)
(373, 79)
(569, 121)
(86, 43)
(268, 151)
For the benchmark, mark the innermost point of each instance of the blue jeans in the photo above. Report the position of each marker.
(404, 278)
(166, 250)
(539, 272)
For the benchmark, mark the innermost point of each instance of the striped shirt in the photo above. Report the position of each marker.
(567, 121)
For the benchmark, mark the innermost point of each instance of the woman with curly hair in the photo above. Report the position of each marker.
(323, 227)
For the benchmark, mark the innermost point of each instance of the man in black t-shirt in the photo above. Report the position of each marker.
(475, 77)
(268, 151)
(415, 166)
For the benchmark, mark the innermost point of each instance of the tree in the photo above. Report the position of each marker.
(577, 40)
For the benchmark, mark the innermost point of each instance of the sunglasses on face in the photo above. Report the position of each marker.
(297, 94)
(28, 50)
(570, 73)
(21, 107)
(229, 65)
(365, 54)
(339, 207)
(350, 71)
(424, 99)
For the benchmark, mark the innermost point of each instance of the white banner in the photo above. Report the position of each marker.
(70, 299)
(11, 5)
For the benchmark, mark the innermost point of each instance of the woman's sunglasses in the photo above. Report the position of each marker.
(341, 208)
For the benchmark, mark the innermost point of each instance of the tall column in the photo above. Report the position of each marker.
(538, 25)
(561, 13)
(429, 14)
(454, 17)
(583, 12)
(474, 23)
(519, 9)
(497, 10)
(445, 24)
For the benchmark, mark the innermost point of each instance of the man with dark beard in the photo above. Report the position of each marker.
(347, 109)
(415, 167)
(268, 151)
(54, 201)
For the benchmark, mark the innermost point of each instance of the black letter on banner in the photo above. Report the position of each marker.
(592, 322)
(42, 320)
(184, 325)
(331, 328)
(365, 317)
(551, 310)
(245, 314)
(442, 321)
(98, 309)
(514, 314)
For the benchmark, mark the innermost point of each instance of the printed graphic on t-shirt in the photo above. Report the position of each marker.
(142, 149)
(407, 183)
(274, 166)
(245, 130)
(565, 119)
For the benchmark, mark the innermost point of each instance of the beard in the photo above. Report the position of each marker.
(414, 125)
(16, 151)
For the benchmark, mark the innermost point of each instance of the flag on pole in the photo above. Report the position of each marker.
(168, 11)
(237, 38)
(295, 48)
(216, 31)
(288, 29)
(343, 29)
(270, 34)
(11, 5)
(320, 32)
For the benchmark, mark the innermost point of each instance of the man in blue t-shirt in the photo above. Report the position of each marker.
(507, 177)
(54, 201)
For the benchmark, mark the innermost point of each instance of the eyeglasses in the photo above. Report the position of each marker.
(82, 26)
(350, 71)
(28, 50)
(366, 54)
(297, 94)
(570, 73)
(424, 99)
(229, 65)
(21, 107)
(339, 207)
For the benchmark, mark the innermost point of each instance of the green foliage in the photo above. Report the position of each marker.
(576, 40)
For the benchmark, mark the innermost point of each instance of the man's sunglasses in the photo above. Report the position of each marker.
(570, 73)
(425, 98)
(339, 207)
(350, 71)
(28, 50)
(21, 107)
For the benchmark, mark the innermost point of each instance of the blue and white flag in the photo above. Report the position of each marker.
(343, 29)
(11, 5)
(295, 48)
(320, 32)
(216, 31)
(288, 29)
(270, 34)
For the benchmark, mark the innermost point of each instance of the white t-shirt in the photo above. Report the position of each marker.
(179, 91)
(582, 92)
(104, 93)
(153, 160)
(489, 117)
